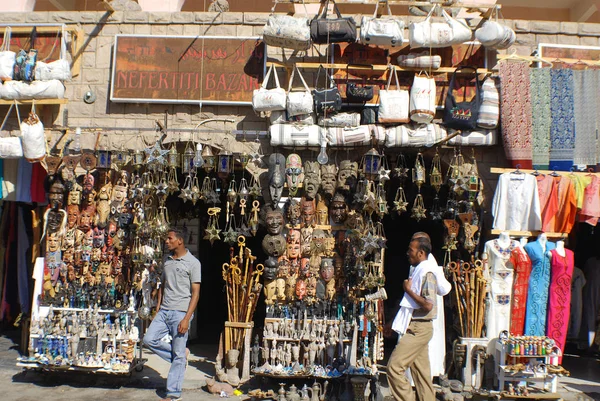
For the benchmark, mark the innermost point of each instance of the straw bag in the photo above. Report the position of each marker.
(264, 99)
(384, 31)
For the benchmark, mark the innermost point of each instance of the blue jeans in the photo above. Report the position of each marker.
(166, 322)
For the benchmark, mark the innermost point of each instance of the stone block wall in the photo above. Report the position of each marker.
(100, 29)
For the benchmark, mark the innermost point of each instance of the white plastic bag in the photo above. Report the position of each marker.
(59, 69)
(264, 99)
(393, 104)
(33, 138)
(299, 102)
(7, 57)
(422, 99)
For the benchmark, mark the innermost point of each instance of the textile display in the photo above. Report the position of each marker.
(585, 94)
(562, 127)
(522, 267)
(515, 113)
(564, 219)
(540, 116)
(577, 284)
(591, 299)
(559, 298)
(548, 194)
(24, 180)
(516, 204)
(539, 283)
(590, 209)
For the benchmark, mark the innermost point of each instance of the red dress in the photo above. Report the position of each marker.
(522, 267)
(559, 297)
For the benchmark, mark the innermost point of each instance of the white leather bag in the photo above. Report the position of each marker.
(384, 31)
(287, 31)
(393, 103)
(340, 120)
(59, 69)
(414, 135)
(264, 99)
(300, 102)
(7, 57)
(422, 99)
(295, 135)
(33, 139)
(439, 34)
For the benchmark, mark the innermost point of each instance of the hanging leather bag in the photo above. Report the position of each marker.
(462, 115)
(439, 34)
(325, 30)
(327, 99)
(422, 98)
(264, 99)
(357, 93)
(385, 31)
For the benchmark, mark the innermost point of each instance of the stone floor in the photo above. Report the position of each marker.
(17, 384)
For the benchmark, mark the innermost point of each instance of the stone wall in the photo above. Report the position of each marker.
(100, 29)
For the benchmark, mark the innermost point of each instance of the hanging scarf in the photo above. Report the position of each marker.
(540, 116)
(515, 113)
(585, 105)
(562, 127)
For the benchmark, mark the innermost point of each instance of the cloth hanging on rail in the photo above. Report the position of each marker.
(540, 117)
(585, 95)
(539, 282)
(548, 193)
(516, 204)
(24, 181)
(562, 128)
(590, 210)
(559, 298)
(38, 176)
(22, 262)
(515, 113)
(564, 219)
(580, 182)
(522, 267)
(577, 284)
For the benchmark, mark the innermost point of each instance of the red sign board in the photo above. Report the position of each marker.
(186, 69)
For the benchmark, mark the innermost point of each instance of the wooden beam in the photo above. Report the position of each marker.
(582, 10)
(64, 5)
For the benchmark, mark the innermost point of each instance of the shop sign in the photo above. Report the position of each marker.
(186, 69)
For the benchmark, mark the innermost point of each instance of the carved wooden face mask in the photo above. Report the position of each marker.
(293, 244)
(312, 179)
(274, 221)
(293, 212)
(328, 179)
(276, 177)
(294, 174)
(86, 217)
(56, 195)
(308, 212)
(338, 209)
(72, 216)
(347, 176)
(274, 245)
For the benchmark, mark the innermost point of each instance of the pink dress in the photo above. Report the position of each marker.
(559, 299)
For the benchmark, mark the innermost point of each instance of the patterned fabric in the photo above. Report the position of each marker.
(490, 104)
(541, 116)
(522, 267)
(562, 127)
(585, 98)
(515, 113)
(559, 300)
(420, 60)
(539, 282)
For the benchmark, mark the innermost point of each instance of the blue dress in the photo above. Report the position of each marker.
(539, 283)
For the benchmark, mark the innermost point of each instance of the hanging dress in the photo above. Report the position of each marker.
(516, 203)
(590, 210)
(548, 193)
(567, 206)
(522, 267)
(559, 298)
(537, 294)
(501, 282)
(577, 284)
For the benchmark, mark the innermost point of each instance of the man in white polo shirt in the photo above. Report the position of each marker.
(177, 300)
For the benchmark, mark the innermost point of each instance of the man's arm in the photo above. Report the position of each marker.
(184, 325)
(159, 300)
(424, 303)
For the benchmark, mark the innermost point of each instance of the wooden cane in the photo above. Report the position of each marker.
(458, 306)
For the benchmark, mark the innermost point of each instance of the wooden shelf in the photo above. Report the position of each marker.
(36, 101)
(529, 234)
(380, 67)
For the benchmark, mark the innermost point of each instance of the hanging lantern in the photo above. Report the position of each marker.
(104, 159)
(435, 177)
(173, 156)
(209, 159)
(120, 157)
(419, 171)
(138, 158)
(188, 159)
(225, 163)
(371, 163)
(244, 159)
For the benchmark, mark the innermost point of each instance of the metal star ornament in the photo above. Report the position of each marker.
(230, 236)
(370, 242)
(383, 175)
(212, 234)
(156, 154)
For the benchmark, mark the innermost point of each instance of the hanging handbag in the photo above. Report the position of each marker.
(462, 115)
(416, 135)
(384, 31)
(489, 112)
(356, 93)
(295, 135)
(494, 35)
(439, 34)
(327, 100)
(368, 115)
(393, 104)
(264, 99)
(7, 57)
(33, 138)
(299, 102)
(422, 98)
(481, 137)
(59, 69)
(340, 120)
(281, 117)
(287, 31)
(325, 30)
(11, 146)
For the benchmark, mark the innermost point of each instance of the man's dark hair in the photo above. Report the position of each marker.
(423, 244)
(178, 233)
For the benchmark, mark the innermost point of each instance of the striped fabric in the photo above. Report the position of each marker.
(420, 60)
(489, 111)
